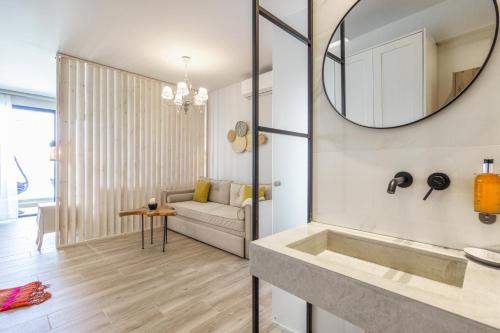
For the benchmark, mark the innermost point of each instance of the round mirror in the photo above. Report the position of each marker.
(391, 63)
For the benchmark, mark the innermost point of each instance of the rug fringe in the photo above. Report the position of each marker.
(29, 294)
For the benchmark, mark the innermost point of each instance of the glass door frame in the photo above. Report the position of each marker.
(257, 12)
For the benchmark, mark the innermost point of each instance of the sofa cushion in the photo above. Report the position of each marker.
(217, 214)
(180, 197)
(201, 190)
(247, 192)
(219, 191)
(269, 191)
(235, 198)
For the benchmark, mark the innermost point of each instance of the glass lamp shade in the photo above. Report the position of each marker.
(182, 89)
(167, 93)
(178, 99)
(203, 94)
(198, 100)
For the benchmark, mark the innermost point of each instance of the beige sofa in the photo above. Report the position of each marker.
(221, 222)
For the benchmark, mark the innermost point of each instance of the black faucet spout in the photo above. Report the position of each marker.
(401, 179)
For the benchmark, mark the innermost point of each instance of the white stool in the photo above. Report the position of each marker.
(46, 220)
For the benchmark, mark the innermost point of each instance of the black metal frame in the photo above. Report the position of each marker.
(340, 60)
(257, 12)
(334, 57)
(342, 67)
(283, 132)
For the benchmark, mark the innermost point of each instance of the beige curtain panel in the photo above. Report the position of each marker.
(118, 144)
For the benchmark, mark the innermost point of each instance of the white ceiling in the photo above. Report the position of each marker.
(443, 18)
(369, 15)
(146, 37)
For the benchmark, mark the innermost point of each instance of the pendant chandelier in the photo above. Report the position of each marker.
(185, 96)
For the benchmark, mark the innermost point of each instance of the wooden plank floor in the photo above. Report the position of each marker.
(114, 286)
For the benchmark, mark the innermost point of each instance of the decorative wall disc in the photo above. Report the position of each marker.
(231, 135)
(239, 144)
(249, 141)
(262, 139)
(241, 128)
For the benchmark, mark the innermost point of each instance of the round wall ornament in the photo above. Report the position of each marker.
(231, 135)
(241, 128)
(239, 144)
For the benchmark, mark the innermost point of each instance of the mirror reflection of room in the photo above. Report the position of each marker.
(404, 59)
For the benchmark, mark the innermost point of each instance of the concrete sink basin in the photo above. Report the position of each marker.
(379, 283)
(367, 254)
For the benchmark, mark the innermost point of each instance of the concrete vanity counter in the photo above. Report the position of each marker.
(380, 283)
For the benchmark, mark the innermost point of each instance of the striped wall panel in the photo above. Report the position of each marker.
(119, 144)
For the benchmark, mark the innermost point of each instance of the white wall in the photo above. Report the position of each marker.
(353, 165)
(226, 106)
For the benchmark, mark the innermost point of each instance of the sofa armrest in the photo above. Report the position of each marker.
(166, 194)
(265, 222)
(248, 229)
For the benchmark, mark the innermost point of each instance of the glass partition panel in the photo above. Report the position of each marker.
(292, 12)
(283, 155)
(287, 83)
(283, 166)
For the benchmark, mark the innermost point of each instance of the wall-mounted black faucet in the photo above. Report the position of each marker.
(437, 181)
(401, 179)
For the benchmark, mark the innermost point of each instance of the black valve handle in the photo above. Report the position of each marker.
(428, 193)
(437, 181)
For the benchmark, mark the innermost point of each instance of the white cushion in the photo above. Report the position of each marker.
(219, 191)
(235, 198)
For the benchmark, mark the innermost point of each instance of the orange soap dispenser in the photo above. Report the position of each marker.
(487, 193)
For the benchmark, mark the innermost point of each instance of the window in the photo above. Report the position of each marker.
(34, 130)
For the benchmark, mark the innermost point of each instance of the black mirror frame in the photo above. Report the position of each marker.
(495, 5)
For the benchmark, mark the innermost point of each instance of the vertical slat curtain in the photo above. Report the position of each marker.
(119, 144)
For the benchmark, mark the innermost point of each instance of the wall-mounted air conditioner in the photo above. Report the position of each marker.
(265, 85)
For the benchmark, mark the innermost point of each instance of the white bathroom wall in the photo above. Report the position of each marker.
(226, 106)
(353, 165)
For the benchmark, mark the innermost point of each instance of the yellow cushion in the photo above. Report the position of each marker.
(201, 190)
(247, 192)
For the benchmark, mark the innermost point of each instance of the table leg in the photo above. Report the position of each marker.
(151, 230)
(40, 242)
(164, 232)
(142, 230)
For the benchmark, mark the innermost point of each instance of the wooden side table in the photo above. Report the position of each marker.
(163, 211)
